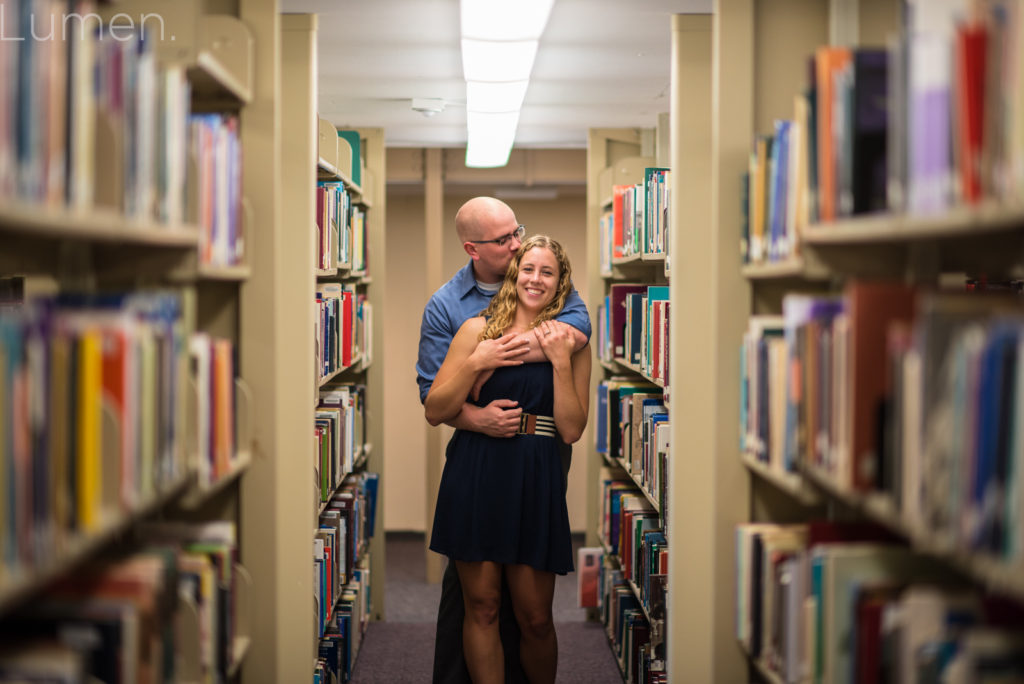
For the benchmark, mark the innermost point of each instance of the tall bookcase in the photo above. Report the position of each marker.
(620, 156)
(728, 86)
(127, 224)
(281, 505)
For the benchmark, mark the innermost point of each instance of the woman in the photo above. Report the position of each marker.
(501, 504)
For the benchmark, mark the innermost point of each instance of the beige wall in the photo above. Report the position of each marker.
(564, 219)
(405, 468)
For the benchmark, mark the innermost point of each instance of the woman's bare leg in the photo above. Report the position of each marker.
(481, 641)
(532, 594)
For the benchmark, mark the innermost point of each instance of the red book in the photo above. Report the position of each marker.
(873, 307)
(971, 44)
(348, 316)
(618, 218)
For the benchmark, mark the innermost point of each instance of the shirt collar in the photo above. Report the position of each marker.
(465, 280)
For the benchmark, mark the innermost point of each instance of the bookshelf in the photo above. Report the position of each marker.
(281, 497)
(121, 245)
(762, 52)
(629, 278)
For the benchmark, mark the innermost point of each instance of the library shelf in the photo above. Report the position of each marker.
(326, 273)
(329, 172)
(790, 483)
(18, 587)
(983, 569)
(634, 368)
(203, 493)
(237, 273)
(331, 376)
(957, 222)
(357, 462)
(212, 79)
(97, 225)
(643, 490)
(632, 585)
(790, 267)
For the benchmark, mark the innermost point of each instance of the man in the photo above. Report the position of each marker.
(491, 236)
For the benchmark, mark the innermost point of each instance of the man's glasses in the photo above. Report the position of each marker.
(519, 233)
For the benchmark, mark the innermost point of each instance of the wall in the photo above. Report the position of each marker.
(404, 465)
(563, 218)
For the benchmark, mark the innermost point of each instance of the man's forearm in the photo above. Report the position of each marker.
(464, 420)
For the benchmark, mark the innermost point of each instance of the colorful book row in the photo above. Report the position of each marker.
(634, 533)
(638, 437)
(933, 120)
(637, 222)
(126, 620)
(91, 417)
(88, 121)
(640, 657)
(341, 229)
(343, 537)
(914, 395)
(344, 328)
(343, 634)
(213, 369)
(340, 430)
(633, 327)
(217, 150)
(847, 603)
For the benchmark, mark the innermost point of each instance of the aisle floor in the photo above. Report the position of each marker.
(401, 648)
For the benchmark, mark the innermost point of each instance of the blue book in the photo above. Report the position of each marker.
(601, 438)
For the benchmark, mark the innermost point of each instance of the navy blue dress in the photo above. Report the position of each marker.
(503, 499)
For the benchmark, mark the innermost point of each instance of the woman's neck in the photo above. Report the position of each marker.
(524, 319)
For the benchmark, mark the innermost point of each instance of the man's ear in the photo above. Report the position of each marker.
(471, 250)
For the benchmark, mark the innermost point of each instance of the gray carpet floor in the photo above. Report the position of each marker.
(401, 648)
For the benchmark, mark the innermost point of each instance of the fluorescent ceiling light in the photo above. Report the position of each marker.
(489, 20)
(490, 138)
(495, 97)
(492, 61)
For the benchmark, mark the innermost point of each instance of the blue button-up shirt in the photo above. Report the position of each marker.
(452, 305)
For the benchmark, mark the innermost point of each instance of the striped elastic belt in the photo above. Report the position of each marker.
(530, 424)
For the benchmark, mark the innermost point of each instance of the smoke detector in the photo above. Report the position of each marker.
(428, 106)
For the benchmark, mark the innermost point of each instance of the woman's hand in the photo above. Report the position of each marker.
(506, 350)
(556, 340)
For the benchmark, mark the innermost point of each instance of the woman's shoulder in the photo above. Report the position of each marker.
(475, 323)
(473, 326)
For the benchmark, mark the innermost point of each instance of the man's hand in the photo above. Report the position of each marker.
(500, 418)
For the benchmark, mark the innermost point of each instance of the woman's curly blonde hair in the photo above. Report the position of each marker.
(501, 312)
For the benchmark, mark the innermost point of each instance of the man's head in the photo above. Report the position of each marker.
(490, 235)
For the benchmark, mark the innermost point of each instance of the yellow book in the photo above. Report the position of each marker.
(90, 435)
(147, 417)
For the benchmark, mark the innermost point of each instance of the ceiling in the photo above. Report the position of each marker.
(601, 63)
